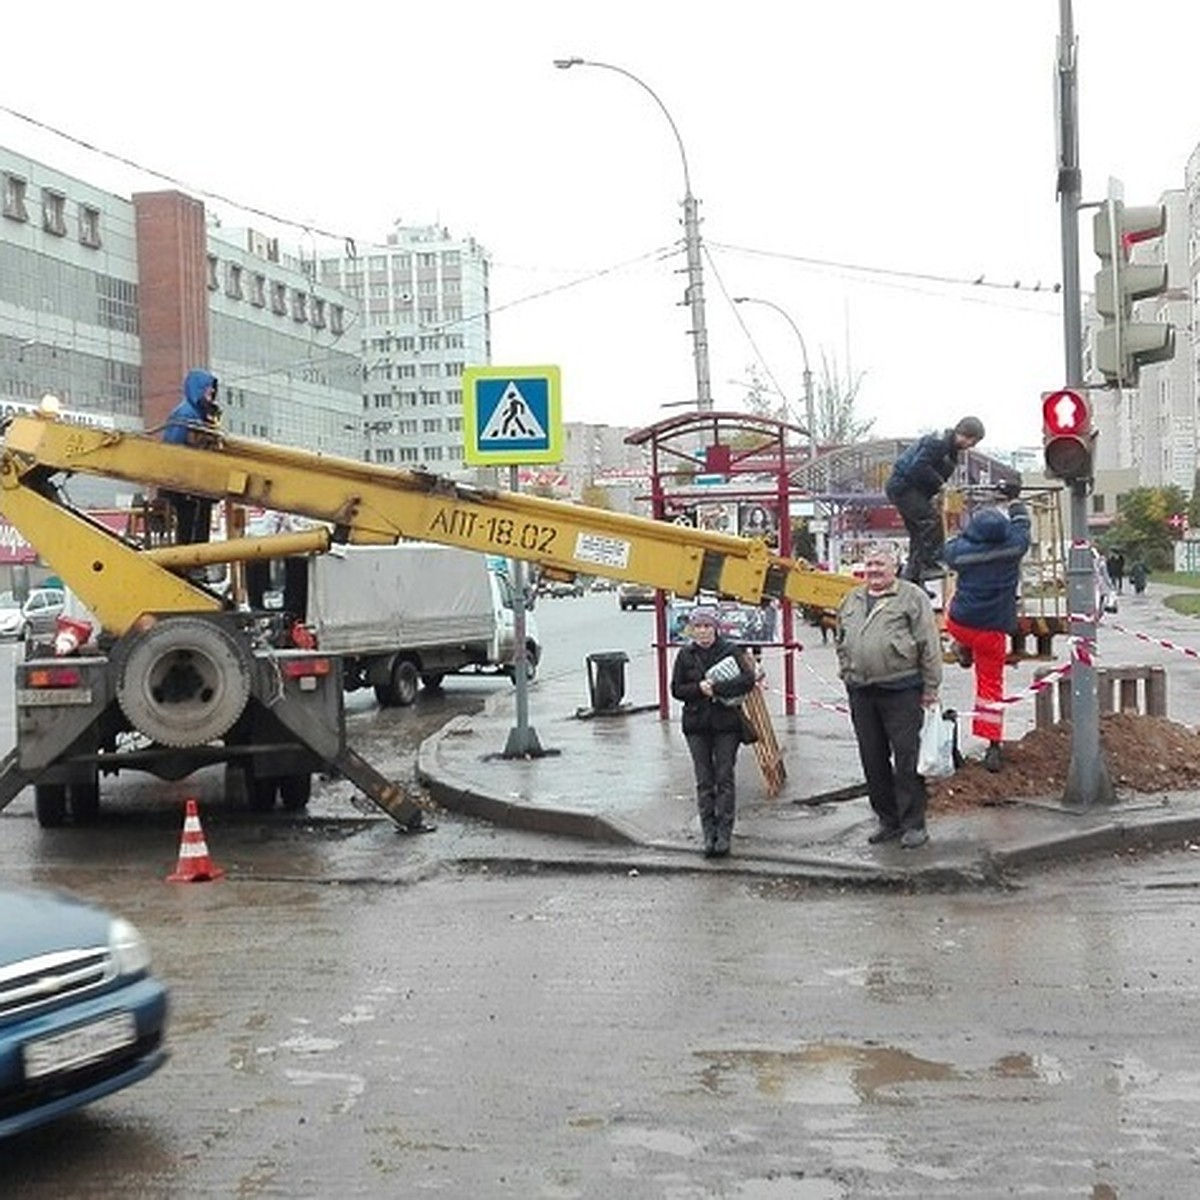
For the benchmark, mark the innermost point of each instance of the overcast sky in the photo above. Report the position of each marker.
(840, 153)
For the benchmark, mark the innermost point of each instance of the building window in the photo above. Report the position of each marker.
(427, 316)
(406, 454)
(408, 399)
(337, 320)
(54, 212)
(431, 399)
(427, 287)
(455, 368)
(14, 198)
(406, 371)
(258, 290)
(454, 424)
(233, 280)
(454, 396)
(89, 225)
(318, 313)
(279, 299)
(299, 306)
(433, 454)
(213, 283)
(451, 258)
(431, 370)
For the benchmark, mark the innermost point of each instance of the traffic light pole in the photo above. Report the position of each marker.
(1088, 778)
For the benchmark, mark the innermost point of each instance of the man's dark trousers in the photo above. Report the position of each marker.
(926, 537)
(887, 725)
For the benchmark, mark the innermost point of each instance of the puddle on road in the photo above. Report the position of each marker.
(842, 1073)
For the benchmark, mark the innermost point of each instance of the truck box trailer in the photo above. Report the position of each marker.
(408, 614)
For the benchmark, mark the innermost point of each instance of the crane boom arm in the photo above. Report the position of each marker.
(370, 504)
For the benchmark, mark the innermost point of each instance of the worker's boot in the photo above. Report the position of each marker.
(708, 826)
(724, 838)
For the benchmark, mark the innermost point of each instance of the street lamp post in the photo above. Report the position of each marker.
(809, 407)
(691, 234)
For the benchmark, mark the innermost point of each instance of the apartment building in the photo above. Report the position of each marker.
(424, 297)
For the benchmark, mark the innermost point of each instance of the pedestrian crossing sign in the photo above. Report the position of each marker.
(512, 415)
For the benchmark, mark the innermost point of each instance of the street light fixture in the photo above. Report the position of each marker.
(809, 409)
(691, 233)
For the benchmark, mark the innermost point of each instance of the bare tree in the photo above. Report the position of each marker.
(834, 402)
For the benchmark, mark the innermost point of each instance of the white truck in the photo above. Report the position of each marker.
(409, 614)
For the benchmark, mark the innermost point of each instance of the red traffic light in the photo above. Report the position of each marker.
(1065, 413)
(1067, 434)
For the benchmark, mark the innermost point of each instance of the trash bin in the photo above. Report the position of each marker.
(606, 679)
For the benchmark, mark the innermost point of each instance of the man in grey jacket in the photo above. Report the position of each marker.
(890, 659)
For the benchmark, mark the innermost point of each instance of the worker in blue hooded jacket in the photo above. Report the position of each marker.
(986, 558)
(194, 421)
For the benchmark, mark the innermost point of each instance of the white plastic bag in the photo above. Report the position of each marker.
(935, 755)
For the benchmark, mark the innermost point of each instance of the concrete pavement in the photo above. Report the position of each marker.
(621, 787)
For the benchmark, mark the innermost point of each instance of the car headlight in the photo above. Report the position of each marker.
(130, 952)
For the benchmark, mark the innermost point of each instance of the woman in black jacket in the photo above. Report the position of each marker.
(710, 677)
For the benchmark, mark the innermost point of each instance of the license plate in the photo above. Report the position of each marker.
(78, 1047)
(48, 697)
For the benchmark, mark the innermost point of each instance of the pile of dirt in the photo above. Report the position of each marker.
(1144, 754)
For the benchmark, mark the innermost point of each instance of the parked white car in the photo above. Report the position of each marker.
(12, 616)
(38, 615)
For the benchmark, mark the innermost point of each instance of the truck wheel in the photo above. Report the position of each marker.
(84, 799)
(182, 682)
(406, 682)
(432, 683)
(50, 804)
(295, 791)
(385, 697)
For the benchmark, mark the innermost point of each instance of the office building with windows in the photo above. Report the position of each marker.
(424, 299)
(107, 302)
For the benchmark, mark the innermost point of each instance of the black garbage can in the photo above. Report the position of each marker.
(606, 679)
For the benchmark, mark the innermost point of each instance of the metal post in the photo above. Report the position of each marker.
(522, 739)
(691, 235)
(1088, 778)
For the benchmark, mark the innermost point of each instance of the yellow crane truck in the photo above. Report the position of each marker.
(180, 677)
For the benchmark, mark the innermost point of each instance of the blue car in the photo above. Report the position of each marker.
(80, 1014)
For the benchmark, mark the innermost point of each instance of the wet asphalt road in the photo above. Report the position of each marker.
(417, 1029)
(593, 1036)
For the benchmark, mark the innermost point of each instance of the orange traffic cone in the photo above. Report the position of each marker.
(194, 865)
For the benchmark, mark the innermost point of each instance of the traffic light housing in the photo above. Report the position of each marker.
(1067, 435)
(1123, 345)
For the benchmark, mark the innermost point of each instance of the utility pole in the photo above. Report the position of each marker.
(1088, 778)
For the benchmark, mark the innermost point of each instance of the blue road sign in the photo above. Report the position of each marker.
(512, 415)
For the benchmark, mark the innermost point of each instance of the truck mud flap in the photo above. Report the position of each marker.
(389, 796)
(13, 780)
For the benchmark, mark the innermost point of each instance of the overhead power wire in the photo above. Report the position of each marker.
(865, 269)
